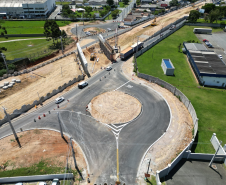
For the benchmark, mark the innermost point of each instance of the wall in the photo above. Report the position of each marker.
(25, 108)
(82, 58)
(212, 81)
(206, 24)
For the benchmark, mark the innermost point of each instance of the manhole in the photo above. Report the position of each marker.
(214, 167)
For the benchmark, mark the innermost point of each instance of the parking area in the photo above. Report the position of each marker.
(196, 172)
(218, 42)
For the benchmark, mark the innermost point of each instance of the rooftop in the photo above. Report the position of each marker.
(195, 46)
(208, 62)
(18, 3)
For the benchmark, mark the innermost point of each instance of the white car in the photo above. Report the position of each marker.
(56, 182)
(87, 33)
(83, 84)
(109, 68)
(109, 29)
(42, 183)
(220, 56)
(59, 100)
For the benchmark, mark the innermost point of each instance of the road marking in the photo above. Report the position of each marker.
(121, 86)
(129, 86)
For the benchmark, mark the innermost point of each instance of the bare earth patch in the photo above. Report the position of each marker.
(37, 145)
(94, 30)
(38, 83)
(177, 137)
(114, 107)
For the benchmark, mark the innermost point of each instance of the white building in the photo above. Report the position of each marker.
(208, 67)
(29, 8)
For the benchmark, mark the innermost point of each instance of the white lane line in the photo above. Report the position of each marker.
(121, 86)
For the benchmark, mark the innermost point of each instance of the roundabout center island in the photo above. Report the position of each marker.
(114, 107)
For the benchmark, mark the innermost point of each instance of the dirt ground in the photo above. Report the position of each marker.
(176, 138)
(103, 60)
(129, 38)
(114, 107)
(36, 146)
(94, 30)
(38, 83)
(83, 42)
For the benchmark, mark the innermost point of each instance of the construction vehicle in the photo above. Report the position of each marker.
(154, 22)
(92, 56)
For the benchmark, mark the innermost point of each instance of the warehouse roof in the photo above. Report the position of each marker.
(208, 62)
(18, 3)
(195, 46)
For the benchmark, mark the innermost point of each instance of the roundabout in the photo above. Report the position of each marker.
(114, 107)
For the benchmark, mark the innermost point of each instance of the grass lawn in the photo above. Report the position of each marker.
(18, 49)
(218, 22)
(27, 27)
(122, 5)
(63, 3)
(110, 16)
(152, 181)
(209, 103)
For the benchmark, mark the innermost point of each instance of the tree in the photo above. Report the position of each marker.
(88, 10)
(94, 17)
(206, 17)
(51, 29)
(193, 16)
(125, 2)
(138, 2)
(114, 13)
(214, 15)
(63, 34)
(110, 2)
(173, 3)
(3, 31)
(209, 7)
(66, 10)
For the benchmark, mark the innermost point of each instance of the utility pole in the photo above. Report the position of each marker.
(73, 153)
(83, 17)
(117, 182)
(61, 45)
(59, 121)
(76, 31)
(210, 164)
(137, 43)
(14, 133)
(3, 56)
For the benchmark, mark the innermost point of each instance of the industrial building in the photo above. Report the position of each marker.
(27, 8)
(208, 67)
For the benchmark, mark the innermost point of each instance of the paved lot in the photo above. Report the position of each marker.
(196, 173)
(218, 42)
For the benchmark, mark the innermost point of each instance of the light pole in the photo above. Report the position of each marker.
(3, 56)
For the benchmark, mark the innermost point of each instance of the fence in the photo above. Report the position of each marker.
(206, 24)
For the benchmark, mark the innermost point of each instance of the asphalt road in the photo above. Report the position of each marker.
(96, 139)
(196, 173)
(112, 25)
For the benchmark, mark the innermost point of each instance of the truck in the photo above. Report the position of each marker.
(202, 30)
(130, 50)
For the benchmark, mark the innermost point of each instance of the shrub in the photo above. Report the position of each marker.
(2, 72)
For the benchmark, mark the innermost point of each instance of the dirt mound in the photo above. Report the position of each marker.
(94, 30)
(114, 107)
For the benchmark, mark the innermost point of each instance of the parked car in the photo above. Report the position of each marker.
(210, 46)
(83, 84)
(109, 29)
(207, 43)
(220, 56)
(59, 100)
(109, 68)
(55, 182)
(205, 40)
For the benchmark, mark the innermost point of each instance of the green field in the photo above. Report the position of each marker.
(218, 22)
(27, 27)
(62, 3)
(19, 49)
(122, 5)
(209, 103)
